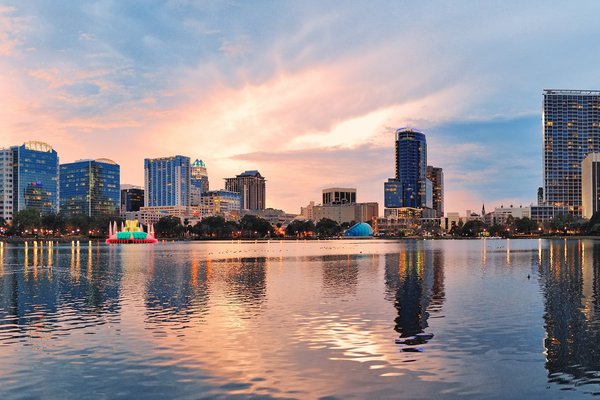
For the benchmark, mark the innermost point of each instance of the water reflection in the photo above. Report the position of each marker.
(414, 278)
(570, 279)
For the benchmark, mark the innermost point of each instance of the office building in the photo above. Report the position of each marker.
(590, 185)
(221, 202)
(90, 187)
(570, 130)
(409, 187)
(6, 184)
(132, 198)
(436, 176)
(35, 177)
(251, 187)
(342, 212)
(339, 196)
(199, 182)
(167, 181)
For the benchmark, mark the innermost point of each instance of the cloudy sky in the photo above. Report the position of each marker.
(309, 93)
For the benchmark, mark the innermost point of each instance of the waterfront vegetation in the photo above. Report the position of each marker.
(30, 223)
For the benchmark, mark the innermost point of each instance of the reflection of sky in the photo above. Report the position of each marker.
(296, 320)
(317, 86)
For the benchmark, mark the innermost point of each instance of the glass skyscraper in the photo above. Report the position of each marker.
(132, 198)
(167, 181)
(409, 187)
(570, 130)
(35, 177)
(90, 187)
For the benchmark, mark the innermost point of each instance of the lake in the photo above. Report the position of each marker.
(301, 319)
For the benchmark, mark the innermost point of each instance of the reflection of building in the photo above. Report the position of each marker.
(6, 184)
(90, 187)
(590, 185)
(198, 182)
(409, 187)
(167, 181)
(571, 130)
(132, 198)
(35, 177)
(570, 283)
(436, 176)
(251, 187)
(414, 279)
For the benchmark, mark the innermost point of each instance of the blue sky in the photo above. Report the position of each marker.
(308, 93)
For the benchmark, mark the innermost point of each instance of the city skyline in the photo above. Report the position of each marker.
(272, 84)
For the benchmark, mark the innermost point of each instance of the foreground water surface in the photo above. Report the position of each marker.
(316, 319)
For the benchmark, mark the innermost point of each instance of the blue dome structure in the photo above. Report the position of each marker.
(360, 229)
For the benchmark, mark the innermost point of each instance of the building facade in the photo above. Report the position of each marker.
(339, 196)
(6, 184)
(251, 187)
(35, 177)
(409, 187)
(132, 198)
(221, 202)
(590, 185)
(570, 130)
(90, 187)
(167, 181)
(357, 212)
(436, 176)
(199, 181)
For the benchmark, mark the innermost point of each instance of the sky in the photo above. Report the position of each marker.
(307, 92)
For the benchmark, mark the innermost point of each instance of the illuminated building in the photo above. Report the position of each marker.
(339, 196)
(35, 177)
(221, 202)
(251, 187)
(409, 187)
(167, 181)
(570, 130)
(90, 187)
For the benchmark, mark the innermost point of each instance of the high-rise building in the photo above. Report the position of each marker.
(6, 184)
(132, 198)
(221, 202)
(570, 130)
(436, 176)
(35, 177)
(590, 185)
(339, 196)
(90, 187)
(251, 186)
(409, 187)
(167, 181)
(199, 182)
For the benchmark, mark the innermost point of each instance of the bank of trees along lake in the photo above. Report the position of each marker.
(30, 223)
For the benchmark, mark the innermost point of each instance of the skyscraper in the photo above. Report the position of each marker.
(409, 187)
(167, 181)
(6, 184)
(436, 176)
(251, 186)
(35, 177)
(590, 185)
(90, 187)
(132, 198)
(199, 182)
(570, 130)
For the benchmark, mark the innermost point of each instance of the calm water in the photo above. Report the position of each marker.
(511, 319)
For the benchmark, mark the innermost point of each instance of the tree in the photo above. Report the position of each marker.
(525, 225)
(593, 226)
(299, 228)
(27, 220)
(472, 228)
(251, 226)
(168, 226)
(328, 228)
(54, 222)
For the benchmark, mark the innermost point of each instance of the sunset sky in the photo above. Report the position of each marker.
(307, 92)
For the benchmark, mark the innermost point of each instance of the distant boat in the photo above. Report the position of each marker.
(130, 233)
